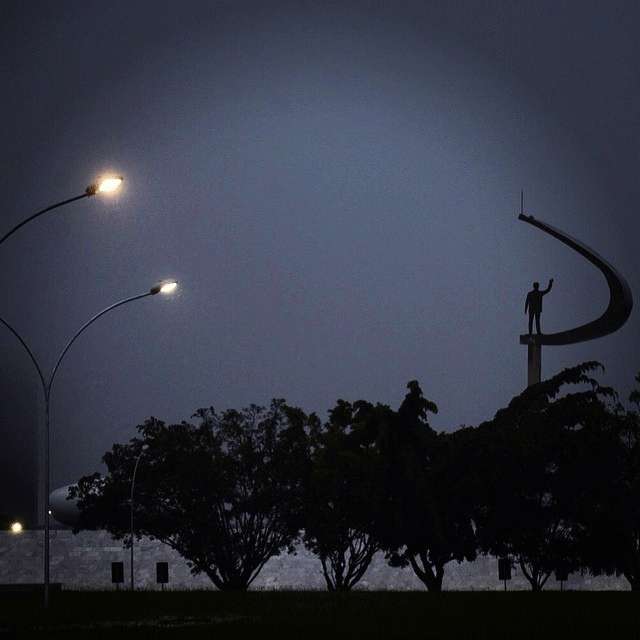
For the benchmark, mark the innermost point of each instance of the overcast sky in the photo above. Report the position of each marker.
(334, 184)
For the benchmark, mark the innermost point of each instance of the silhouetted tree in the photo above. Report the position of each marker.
(529, 470)
(610, 506)
(426, 520)
(226, 493)
(343, 496)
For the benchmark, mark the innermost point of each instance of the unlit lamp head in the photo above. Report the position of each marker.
(166, 287)
(108, 184)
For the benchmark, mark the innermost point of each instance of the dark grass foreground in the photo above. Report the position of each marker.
(311, 615)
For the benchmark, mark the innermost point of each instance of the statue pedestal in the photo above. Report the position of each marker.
(534, 358)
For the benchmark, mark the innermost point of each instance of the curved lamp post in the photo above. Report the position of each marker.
(164, 287)
(105, 185)
(133, 484)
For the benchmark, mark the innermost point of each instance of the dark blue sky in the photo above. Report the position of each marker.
(335, 185)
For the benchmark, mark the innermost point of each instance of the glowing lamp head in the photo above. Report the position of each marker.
(106, 185)
(16, 527)
(110, 184)
(166, 287)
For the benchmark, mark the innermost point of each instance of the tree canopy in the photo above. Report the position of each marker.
(425, 521)
(343, 496)
(529, 469)
(551, 482)
(609, 509)
(226, 492)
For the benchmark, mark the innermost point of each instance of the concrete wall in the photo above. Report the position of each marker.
(84, 561)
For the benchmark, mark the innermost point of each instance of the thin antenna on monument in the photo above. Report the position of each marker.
(521, 202)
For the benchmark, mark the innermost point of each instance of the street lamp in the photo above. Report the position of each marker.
(165, 287)
(85, 326)
(168, 287)
(107, 184)
(47, 387)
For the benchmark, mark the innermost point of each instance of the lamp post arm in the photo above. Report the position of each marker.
(28, 350)
(86, 325)
(87, 194)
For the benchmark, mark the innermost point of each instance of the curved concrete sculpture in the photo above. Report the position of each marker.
(614, 316)
(620, 298)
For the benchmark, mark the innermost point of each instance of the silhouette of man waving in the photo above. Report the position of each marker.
(533, 305)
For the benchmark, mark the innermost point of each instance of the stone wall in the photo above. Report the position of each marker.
(84, 561)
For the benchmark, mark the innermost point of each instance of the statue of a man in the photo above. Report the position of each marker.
(533, 305)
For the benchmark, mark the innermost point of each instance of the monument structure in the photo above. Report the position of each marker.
(614, 316)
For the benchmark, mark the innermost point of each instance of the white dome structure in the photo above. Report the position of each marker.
(65, 511)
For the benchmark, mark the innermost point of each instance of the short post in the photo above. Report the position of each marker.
(504, 570)
(162, 573)
(117, 574)
(562, 575)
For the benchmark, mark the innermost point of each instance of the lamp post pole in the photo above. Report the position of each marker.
(47, 465)
(133, 483)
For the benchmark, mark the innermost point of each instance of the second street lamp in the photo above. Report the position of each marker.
(167, 286)
(153, 291)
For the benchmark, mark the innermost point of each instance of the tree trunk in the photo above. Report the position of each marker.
(535, 576)
(233, 583)
(431, 575)
(233, 586)
(343, 569)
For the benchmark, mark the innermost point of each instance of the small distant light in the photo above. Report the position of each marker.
(50, 512)
(16, 527)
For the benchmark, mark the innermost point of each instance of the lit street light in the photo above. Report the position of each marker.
(166, 287)
(108, 184)
(47, 387)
